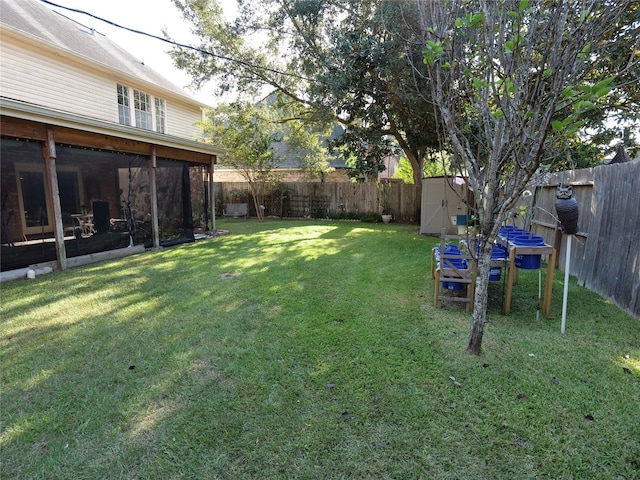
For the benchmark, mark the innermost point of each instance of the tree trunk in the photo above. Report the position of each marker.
(480, 300)
(416, 165)
(255, 195)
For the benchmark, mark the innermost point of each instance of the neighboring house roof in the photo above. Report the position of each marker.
(621, 156)
(34, 19)
(289, 158)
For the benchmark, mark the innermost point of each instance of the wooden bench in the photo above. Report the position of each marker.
(236, 210)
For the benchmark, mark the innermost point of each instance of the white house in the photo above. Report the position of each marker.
(98, 150)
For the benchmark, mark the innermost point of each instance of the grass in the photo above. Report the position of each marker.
(307, 350)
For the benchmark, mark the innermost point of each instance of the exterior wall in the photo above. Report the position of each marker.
(40, 77)
(43, 77)
(182, 119)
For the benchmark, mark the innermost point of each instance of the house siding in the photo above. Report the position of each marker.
(181, 121)
(47, 79)
(42, 79)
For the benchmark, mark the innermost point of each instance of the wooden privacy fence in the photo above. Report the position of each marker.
(605, 258)
(317, 199)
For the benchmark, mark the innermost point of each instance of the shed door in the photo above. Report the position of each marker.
(433, 218)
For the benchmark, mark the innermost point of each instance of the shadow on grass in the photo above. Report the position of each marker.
(322, 358)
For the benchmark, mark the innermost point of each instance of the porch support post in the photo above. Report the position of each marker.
(49, 154)
(212, 194)
(151, 170)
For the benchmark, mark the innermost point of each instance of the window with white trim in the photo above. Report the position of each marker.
(161, 117)
(142, 109)
(124, 105)
(147, 112)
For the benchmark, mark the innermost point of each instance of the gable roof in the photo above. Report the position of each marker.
(621, 156)
(289, 158)
(33, 19)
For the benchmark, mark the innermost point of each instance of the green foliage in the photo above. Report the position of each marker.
(306, 136)
(404, 171)
(247, 133)
(432, 52)
(608, 71)
(366, 159)
(345, 61)
(617, 117)
(384, 196)
(433, 167)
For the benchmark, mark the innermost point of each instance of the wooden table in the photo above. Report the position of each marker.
(511, 276)
(463, 276)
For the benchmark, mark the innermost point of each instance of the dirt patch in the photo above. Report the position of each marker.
(230, 275)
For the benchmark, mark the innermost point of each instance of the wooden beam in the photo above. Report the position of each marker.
(186, 155)
(545, 224)
(471, 289)
(108, 255)
(79, 138)
(510, 278)
(49, 154)
(18, 128)
(557, 244)
(153, 192)
(30, 130)
(212, 194)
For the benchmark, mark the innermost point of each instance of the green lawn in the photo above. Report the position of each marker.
(307, 350)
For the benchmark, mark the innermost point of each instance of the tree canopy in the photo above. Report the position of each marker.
(247, 134)
(351, 61)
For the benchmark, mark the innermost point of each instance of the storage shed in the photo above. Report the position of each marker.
(444, 204)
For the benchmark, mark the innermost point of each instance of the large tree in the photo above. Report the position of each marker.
(511, 80)
(351, 61)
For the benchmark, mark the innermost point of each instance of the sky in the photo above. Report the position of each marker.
(149, 16)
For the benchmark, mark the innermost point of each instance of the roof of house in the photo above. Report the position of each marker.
(36, 20)
(289, 158)
(621, 156)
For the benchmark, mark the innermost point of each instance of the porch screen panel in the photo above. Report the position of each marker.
(199, 185)
(105, 199)
(170, 208)
(27, 221)
(35, 199)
